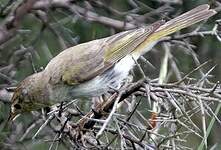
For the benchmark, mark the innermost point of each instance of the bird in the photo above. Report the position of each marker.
(90, 69)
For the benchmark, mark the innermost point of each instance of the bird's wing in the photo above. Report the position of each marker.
(85, 61)
(122, 44)
(76, 64)
(87, 66)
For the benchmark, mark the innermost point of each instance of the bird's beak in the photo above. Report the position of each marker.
(12, 116)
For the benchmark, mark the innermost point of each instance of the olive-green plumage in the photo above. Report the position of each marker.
(89, 69)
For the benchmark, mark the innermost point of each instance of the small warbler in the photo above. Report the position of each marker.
(91, 68)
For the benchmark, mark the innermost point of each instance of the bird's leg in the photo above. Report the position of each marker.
(96, 101)
(97, 112)
(85, 122)
(100, 101)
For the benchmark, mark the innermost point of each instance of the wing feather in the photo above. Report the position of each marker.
(120, 45)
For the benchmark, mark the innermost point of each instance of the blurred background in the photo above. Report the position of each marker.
(51, 26)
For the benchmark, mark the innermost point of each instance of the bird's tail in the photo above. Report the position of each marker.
(189, 18)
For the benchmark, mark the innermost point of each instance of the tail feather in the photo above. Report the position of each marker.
(189, 14)
(189, 18)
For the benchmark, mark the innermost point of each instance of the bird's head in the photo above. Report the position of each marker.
(28, 96)
(21, 102)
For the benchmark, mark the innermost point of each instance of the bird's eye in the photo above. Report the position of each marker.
(17, 106)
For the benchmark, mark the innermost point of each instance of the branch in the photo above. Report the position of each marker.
(11, 23)
(83, 13)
